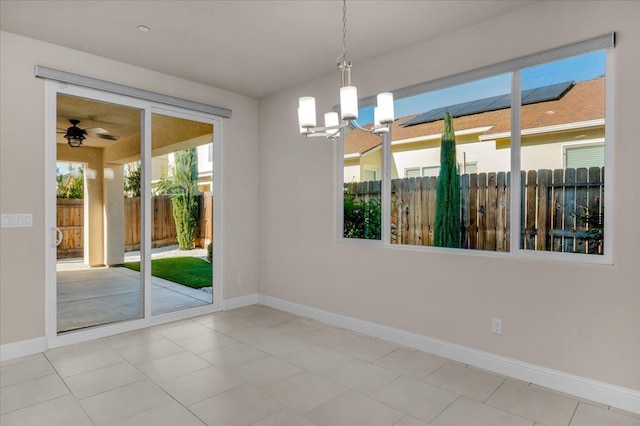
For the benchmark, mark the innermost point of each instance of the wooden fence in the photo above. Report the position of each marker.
(70, 220)
(561, 210)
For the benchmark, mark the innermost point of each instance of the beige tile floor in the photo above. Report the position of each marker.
(263, 367)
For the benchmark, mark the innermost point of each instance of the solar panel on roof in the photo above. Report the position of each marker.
(493, 103)
(500, 102)
(546, 93)
(427, 117)
(481, 105)
(458, 109)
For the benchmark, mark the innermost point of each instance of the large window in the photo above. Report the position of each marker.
(563, 102)
(552, 145)
(362, 166)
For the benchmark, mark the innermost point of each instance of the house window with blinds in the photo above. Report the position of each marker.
(584, 156)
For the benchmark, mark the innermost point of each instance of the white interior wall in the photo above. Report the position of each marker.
(22, 250)
(578, 318)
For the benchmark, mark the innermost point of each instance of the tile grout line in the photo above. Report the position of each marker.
(124, 360)
(74, 396)
(171, 396)
(445, 409)
(40, 402)
(54, 398)
(159, 386)
(494, 391)
(575, 410)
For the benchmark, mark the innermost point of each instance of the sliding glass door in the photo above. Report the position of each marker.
(182, 221)
(131, 213)
(95, 141)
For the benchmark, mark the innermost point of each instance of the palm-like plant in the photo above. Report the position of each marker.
(182, 187)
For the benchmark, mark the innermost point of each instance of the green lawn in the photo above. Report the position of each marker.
(189, 271)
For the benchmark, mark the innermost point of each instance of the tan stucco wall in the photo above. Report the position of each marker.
(93, 189)
(114, 216)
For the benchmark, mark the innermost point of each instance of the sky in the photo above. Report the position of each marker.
(64, 168)
(576, 68)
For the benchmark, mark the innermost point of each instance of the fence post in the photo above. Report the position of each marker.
(501, 243)
(464, 206)
(569, 207)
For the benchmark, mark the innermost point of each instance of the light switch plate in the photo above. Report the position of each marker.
(496, 326)
(17, 220)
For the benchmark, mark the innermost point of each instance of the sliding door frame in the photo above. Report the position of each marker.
(52, 89)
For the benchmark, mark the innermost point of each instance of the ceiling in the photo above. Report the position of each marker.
(251, 47)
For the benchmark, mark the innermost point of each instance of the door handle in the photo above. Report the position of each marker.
(57, 239)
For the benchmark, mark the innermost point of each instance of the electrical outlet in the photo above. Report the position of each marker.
(496, 326)
(240, 280)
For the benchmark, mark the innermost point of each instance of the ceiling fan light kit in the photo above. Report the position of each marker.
(383, 112)
(75, 135)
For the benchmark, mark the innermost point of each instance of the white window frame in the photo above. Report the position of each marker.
(412, 169)
(514, 67)
(368, 168)
(465, 165)
(422, 169)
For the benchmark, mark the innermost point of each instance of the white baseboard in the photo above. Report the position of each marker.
(616, 396)
(33, 346)
(240, 302)
(23, 348)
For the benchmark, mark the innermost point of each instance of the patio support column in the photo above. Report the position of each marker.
(93, 236)
(94, 209)
(114, 214)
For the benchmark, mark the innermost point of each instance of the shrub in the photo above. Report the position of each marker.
(132, 178)
(362, 219)
(210, 252)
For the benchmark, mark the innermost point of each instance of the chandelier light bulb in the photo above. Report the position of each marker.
(377, 128)
(307, 111)
(349, 102)
(330, 120)
(385, 108)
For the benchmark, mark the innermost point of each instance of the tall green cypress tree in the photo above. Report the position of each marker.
(447, 226)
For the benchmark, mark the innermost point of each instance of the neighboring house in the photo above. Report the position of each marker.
(161, 165)
(562, 126)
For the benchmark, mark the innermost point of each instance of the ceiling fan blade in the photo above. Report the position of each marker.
(107, 136)
(96, 130)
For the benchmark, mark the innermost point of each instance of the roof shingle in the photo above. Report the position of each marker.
(583, 102)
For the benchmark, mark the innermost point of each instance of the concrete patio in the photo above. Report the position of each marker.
(95, 296)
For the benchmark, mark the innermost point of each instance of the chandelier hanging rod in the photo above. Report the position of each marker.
(383, 112)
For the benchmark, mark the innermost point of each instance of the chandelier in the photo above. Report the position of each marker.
(383, 113)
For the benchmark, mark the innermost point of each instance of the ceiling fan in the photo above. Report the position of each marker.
(75, 135)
